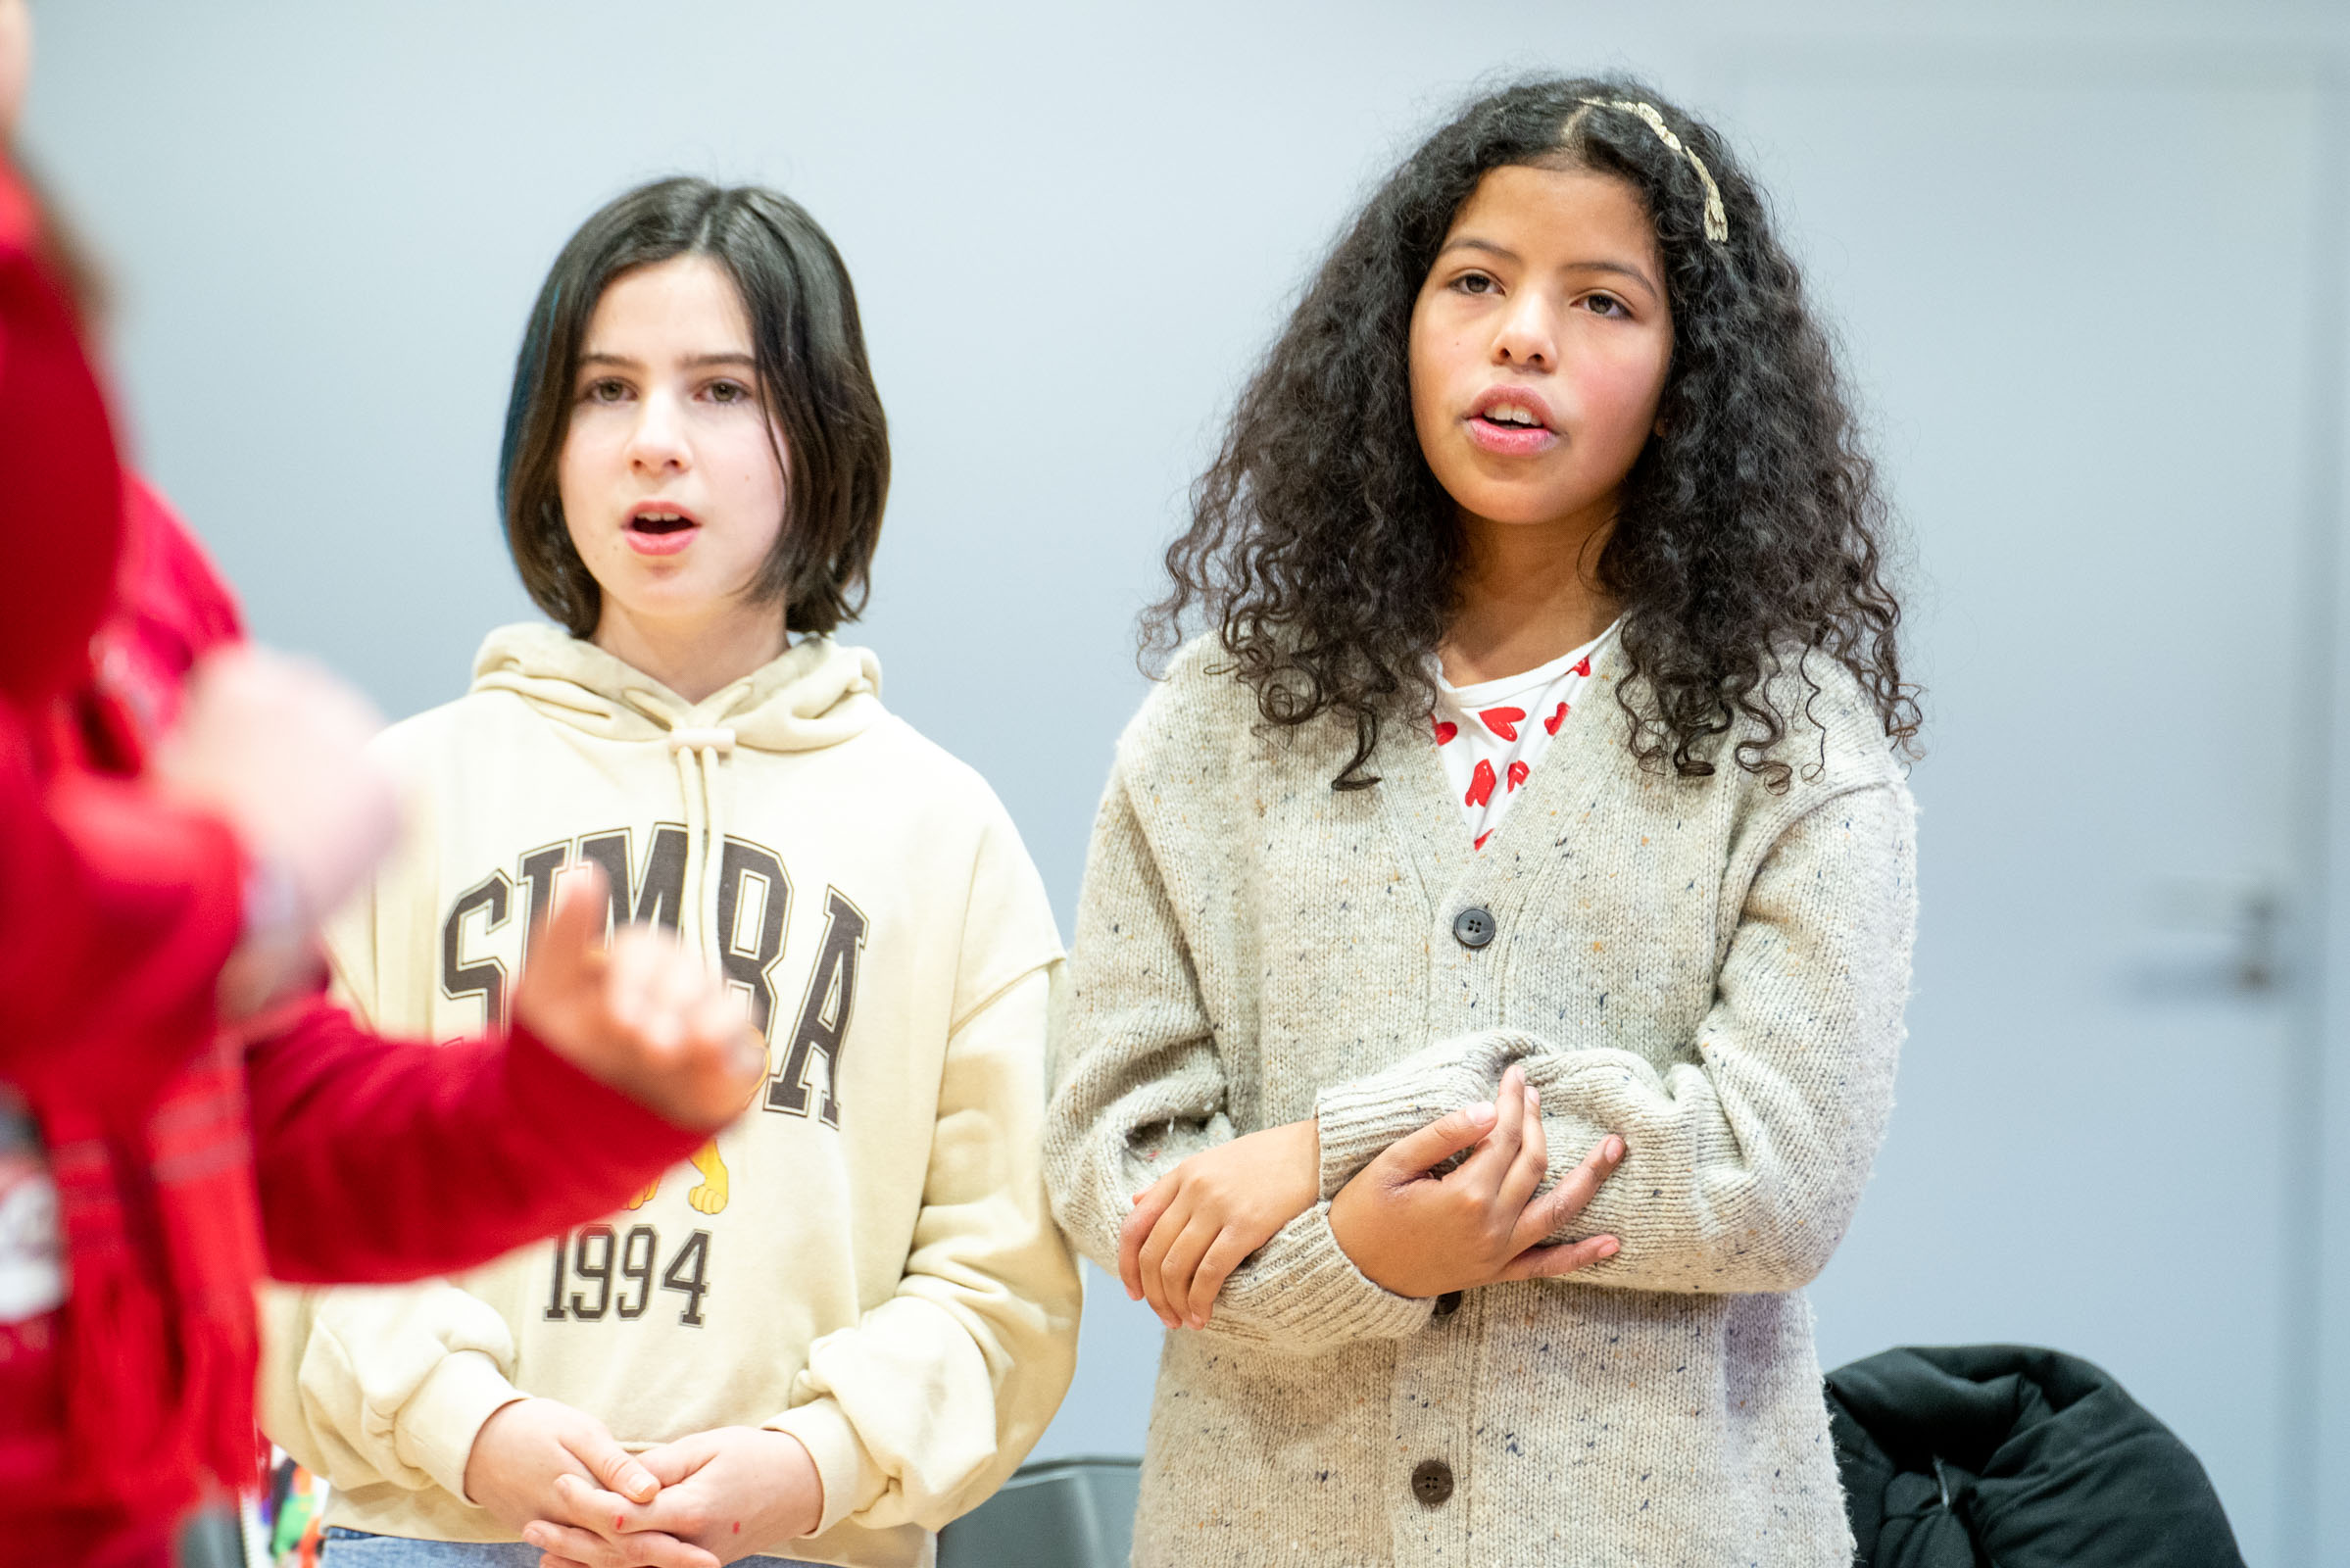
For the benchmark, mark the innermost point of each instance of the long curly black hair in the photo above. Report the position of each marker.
(1751, 532)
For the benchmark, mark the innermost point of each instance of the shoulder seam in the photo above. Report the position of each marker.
(956, 1026)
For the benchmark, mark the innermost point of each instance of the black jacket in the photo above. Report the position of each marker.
(2008, 1456)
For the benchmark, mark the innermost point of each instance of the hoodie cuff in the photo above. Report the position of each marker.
(439, 1423)
(851, 1481)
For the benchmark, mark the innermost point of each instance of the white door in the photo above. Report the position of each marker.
(2078, 303)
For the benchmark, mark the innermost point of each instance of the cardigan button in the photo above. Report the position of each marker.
(1432, 1482)
(1473, 927)
(1448, 1303)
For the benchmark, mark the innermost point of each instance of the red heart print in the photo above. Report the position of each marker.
(1503, 721)
(1482, 837)
(1583, 665)
(1556, 719)
(1445, 730)
(1481, 784)
(1517, 775)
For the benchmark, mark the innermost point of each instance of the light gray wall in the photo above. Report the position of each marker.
(1072, 229)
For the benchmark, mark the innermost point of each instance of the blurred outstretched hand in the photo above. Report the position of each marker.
(641, 1014)
(276, 747)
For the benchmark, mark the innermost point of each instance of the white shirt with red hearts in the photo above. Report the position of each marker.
(1492, 735)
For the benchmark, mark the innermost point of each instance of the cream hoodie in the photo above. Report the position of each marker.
(866, 1259)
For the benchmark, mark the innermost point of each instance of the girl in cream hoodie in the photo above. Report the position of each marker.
(851, 1316)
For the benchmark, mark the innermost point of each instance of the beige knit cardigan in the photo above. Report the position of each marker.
(1715, 971)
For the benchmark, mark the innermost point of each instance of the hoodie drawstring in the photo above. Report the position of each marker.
(818, 694)
(696, 751)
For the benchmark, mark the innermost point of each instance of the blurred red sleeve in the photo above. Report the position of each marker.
(60, 490)
(381, 1160)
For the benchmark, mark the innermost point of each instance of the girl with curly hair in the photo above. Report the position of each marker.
(1489, 971)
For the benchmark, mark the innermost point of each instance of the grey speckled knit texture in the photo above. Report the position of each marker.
(1712, 970)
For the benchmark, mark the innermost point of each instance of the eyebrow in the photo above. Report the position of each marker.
(1470, 242)
(694, 362)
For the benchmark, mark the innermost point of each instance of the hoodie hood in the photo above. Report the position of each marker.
(818, 693)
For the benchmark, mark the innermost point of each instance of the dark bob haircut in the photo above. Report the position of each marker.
(812, 378)
(1749, 532)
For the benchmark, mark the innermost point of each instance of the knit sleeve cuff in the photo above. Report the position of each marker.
(1302, 1293)
(447, 1413)
(850, 1479)
(1358, 1120)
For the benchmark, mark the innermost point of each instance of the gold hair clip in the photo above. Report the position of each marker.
(1717, 220)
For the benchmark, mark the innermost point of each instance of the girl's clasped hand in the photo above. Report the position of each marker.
(1410, 1224)
(555, 1475)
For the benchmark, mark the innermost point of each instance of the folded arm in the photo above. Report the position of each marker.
(1743, 1165)
(1140, 1085)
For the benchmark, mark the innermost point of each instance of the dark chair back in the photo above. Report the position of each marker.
(1053, 1513)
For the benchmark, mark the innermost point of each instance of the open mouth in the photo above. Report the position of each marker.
(1511, 421)
(654, 529)
(1511, 417)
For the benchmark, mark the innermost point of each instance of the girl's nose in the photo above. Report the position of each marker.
(1529, 334)
(658, 441)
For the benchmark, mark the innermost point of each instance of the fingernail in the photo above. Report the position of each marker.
(1615, 1148)
(1480, 1113)
(1608, 1248)
(1534, 1095)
